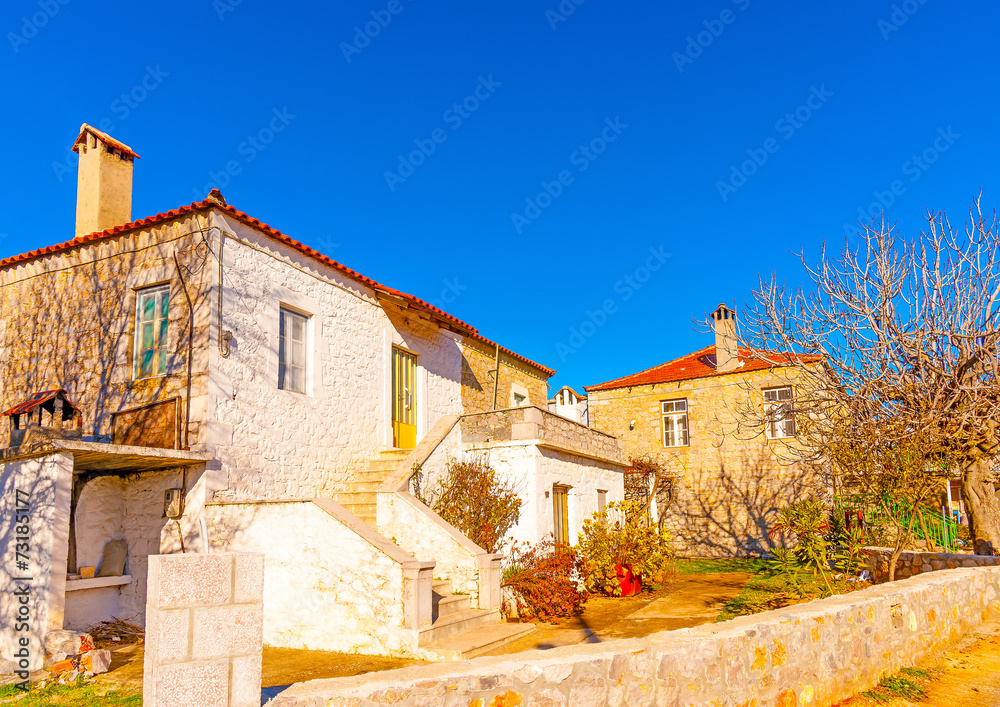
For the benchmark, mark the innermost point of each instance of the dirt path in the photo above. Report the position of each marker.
(689, 600)
(965, 675)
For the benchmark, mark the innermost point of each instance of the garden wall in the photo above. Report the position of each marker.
(815, 653)
(913, 563)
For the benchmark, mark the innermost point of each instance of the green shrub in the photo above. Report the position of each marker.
(621, 534)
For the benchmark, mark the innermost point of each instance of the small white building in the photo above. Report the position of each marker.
(571, 405)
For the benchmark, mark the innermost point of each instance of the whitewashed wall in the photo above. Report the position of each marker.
(533, 471)
(277, 444)
(325, 587)
(48, 481)
(131, 508)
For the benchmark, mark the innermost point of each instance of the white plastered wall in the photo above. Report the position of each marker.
(275, 444)
(533, 471)
(131, 508)
(39, 585)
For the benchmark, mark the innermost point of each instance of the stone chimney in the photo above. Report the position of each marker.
(726, 354)
(104, 181)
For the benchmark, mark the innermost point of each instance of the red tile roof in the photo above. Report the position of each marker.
(36, 400)
(700, 364)
(277, 235)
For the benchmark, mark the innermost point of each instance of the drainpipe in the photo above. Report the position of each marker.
(190, 348)
(496, 378)
(224, 336)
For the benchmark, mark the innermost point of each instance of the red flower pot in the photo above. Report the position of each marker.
(630, 583)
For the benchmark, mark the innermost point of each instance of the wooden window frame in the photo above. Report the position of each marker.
(674, 415)
(774, 424)
(160, 350)
(283, 355)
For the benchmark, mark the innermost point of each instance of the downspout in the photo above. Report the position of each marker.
(190, 348)
(224, 336)
(496, 378)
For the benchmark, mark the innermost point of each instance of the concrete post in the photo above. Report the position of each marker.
(204, 630)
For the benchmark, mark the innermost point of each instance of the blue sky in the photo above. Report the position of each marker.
(624, 167)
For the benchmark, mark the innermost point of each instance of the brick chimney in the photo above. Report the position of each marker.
(104, 181)
(726, 354)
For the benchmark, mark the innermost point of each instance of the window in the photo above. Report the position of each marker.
(560, 513)
(779, 420)
(151, 308)
(602, 500)
(292, 351)
(675, 423)
(518, 400)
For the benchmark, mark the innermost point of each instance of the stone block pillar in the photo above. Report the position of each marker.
(204, 630)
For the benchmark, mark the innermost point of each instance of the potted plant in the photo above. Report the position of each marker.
(620, 545)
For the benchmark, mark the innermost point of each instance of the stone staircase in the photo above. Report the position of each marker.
(359, 496)
(457, 631)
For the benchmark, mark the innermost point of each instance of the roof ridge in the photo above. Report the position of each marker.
(210, 203)
(653, 368)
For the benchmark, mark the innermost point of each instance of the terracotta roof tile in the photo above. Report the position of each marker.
(700, 364)
(106, 139)
(467, 329)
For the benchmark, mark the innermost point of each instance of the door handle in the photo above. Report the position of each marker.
(406, 393)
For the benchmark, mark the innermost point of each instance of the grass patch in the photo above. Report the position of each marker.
(896, 686)
(772, 591)
(748, 565)
(81, 695)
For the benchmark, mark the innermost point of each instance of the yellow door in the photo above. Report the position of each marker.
(560, 513)
(404, 399)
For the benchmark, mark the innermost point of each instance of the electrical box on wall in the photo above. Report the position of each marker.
(173, 503)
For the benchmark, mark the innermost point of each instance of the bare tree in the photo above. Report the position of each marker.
(907, 332)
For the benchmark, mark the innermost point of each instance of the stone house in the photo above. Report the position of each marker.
(723, 421)
(241, 391)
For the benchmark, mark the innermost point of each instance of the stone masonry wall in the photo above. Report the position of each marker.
(203, 631)
(67, 320)
(478, 360)
(813, 654)
(533, 423)
(914, 563)
(732, 479)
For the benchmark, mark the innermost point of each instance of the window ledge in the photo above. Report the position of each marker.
(73, 585)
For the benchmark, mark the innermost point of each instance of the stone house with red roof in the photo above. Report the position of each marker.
(722, 419)
(241, 391)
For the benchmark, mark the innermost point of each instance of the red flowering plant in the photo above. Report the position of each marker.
(542, 581)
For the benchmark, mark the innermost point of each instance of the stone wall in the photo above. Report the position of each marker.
(203, 631)
(535, 423)
(31, 594)
(67, 320)
(479, 359)
(911, 563)
(813, 654)
(331, 582)
(731, 478)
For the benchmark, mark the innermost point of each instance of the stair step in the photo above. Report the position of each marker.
(441, 587)
(476, 641)
(366, 486)
(449, 605)
(457, 623)
(367, 475)
(350, 496)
